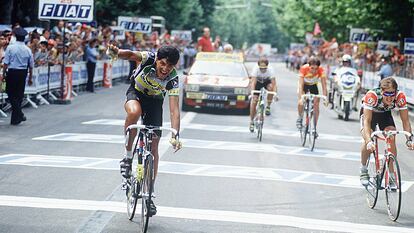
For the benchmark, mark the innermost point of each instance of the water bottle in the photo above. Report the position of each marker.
(140, 167)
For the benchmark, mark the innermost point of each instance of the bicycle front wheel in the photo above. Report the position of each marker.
(132, 196)
(372, 187)
(311, 132)
(147, 189)
(304, 130)
(393, 187)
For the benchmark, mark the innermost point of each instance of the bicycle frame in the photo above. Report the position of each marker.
(386, 136)
(308, 108)
(380, 174)
(260, 108)
(262, 99)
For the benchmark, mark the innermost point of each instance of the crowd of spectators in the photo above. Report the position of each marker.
(365, 57)
(48, 45)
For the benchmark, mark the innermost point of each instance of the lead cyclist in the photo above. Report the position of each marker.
(154, 78)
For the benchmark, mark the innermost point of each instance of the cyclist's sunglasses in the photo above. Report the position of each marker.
(389, 93)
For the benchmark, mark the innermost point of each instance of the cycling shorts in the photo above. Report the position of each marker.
(151, 107)
(383, 119)
(264, 84)
(313, 89)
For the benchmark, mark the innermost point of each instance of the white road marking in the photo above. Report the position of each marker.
(192, 169)
(202, 214)
(211, 145)
(237, 129)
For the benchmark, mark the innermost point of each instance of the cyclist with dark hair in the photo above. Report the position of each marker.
(262, 76)
(376, 109)
(154, 78)
(309, 76)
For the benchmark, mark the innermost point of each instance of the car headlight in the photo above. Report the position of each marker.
(241, 91)
(192, 87)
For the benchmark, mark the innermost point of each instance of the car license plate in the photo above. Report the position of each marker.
(217, 97)
(215, 105)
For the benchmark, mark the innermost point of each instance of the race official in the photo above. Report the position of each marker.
(18, 62)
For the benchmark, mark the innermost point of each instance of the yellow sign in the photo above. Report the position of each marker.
(223, 57)
(241, 97)
(194, 95)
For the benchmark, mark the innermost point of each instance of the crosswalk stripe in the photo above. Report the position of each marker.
(215, 145)
(202, 214)
(237, 129)
(193, 169)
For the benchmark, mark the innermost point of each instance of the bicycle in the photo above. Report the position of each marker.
(260, 109)
(141, 182)
(380, 170)
(309, 128)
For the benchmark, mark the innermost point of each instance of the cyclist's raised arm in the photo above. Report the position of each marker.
(126, 54)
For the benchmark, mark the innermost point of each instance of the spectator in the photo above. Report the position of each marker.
(3, 43)
(92, 56)
(386, 69)
(228, 48)
(58, 29)
(40, 57)
(204, 42)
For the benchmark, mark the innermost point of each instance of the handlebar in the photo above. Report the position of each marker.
(151, 128)
(389, 133)
(268, 92)
(311, 96)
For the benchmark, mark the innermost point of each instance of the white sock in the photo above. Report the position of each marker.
(364, 168)
(128, 154)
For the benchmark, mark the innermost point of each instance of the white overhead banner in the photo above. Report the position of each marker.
(71, 10)
(181, 34)
(135, 24)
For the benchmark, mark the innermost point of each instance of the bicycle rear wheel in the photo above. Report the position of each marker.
(147, 189)
(372, 187)
(132, 196)
(311, 131)
(393, 192)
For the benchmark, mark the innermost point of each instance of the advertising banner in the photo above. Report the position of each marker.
(135, 24)
(409, 46)
(71, 10)
(384, 47)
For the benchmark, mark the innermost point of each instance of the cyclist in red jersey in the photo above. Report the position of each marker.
(309, 76)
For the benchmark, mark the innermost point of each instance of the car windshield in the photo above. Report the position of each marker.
(219, 68)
